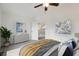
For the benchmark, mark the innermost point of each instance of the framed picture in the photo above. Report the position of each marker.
(19, 27)
(63, 27)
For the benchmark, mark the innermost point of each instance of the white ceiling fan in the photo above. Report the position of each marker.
(46, 5)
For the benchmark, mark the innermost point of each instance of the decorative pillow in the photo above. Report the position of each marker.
(74, 44)
(66, 49)
(69, 50)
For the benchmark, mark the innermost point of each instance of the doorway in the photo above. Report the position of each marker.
(41, 31)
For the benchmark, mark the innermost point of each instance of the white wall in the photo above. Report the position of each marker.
(61, 14)
(12, 13)
(0, 26)
(0, 15)
(26, 13)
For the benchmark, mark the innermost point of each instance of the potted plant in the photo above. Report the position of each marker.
(5, 34)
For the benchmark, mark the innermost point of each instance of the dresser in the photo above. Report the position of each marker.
(21, 37)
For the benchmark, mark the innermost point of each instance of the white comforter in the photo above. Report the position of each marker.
(14, 52)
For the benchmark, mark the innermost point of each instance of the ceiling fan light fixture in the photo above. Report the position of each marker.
(45, 4)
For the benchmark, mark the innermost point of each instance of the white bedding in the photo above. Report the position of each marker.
(14, 52)
(77, 51)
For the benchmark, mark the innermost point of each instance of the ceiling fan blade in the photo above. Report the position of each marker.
(38, 5)
(54, 4)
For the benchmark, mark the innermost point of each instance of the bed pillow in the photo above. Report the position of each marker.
(74, 44)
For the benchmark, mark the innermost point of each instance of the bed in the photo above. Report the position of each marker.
(44, 47)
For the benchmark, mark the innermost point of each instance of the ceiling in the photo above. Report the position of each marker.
(27, 9)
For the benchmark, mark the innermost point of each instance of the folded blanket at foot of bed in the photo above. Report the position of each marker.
(40, 48)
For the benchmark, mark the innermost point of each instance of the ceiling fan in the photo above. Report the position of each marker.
(46, 5)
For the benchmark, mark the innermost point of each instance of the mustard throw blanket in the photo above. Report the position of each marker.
(31, 49)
